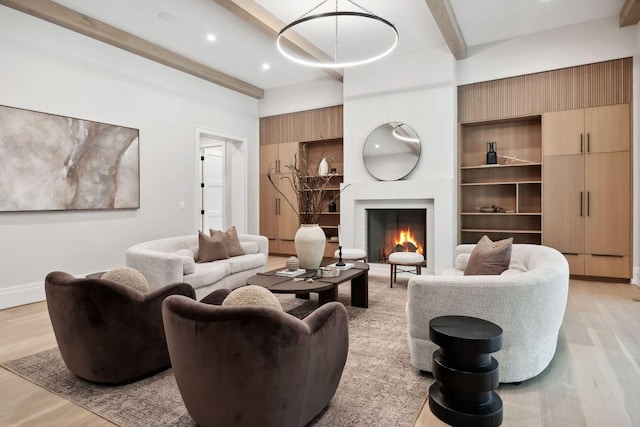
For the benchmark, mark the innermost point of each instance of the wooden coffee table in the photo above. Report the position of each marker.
(326, 287)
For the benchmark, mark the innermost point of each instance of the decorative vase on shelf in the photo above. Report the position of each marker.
(323, 167)
(310, 241)
(492, 156)
(293, 263)
(333, 207)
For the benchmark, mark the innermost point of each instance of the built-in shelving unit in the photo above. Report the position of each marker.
(514, 184)
(331, 150)
(309, 135)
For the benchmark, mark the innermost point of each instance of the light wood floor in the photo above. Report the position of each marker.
(594, 379)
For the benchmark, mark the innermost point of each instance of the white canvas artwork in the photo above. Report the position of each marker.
(51, 162)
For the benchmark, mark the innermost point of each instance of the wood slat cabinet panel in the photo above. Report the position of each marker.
(311, 125)
(608, 209)
(563, 203)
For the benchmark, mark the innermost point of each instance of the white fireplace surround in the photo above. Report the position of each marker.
(434, 195)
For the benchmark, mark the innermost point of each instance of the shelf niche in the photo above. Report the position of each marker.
(514, 184)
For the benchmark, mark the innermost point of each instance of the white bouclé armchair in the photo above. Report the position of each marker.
(527, 301)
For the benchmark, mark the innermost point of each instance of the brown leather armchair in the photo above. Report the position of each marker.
(108, 332)
(254, 366)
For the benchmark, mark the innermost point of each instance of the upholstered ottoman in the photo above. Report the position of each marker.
(411, 259)
(351, 254)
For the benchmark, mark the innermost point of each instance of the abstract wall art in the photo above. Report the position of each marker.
(51, 162)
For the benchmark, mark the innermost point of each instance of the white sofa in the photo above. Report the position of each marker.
(158, 261)
(527, 301)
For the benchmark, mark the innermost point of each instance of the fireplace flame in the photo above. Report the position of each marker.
(407, 241)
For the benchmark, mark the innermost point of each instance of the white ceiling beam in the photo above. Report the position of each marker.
(74, 21)
(630, 13)
(448, 24)
(263, 20)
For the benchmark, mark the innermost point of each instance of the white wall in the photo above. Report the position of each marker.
(47, 68)
(418, 89)
(319, 93)
(580, 44)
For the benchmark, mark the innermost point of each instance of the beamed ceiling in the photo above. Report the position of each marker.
(173, 32)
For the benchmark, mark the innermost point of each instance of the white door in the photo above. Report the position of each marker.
(213, 187)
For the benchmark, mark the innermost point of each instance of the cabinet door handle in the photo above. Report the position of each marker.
(581, 203)
(277, 206)
(581, 142)
(588, 204)
(277, 166)
(588, 143)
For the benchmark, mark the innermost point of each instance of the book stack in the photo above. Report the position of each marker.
(291, 273)
(346, 266)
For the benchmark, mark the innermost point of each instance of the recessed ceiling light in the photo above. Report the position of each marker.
(167, 17)
(266, 66)
(211, 37)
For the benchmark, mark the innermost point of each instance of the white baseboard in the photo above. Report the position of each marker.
(21, 294)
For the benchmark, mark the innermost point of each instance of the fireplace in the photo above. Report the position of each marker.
(395, 230)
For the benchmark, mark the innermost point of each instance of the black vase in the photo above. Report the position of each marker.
(492, 156)
(332, 206)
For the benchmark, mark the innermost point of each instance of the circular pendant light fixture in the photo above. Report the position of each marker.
(348, 50)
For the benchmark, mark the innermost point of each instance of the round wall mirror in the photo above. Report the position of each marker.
(391, 151)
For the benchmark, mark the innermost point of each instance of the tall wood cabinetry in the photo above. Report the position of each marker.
(587, 192)
(514, 184)
(309, 135)
(282, 225)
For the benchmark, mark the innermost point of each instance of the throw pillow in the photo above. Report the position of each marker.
(489, 258)
(188, 261)
(129, 277)
(231, 240)
(252, 295)
(210, 248)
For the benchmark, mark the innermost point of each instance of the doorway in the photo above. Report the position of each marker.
(213, 187)
(222, 181)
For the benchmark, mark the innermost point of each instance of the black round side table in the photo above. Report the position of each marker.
(465, 372)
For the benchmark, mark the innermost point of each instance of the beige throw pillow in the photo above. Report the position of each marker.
(211, 248)
(489, 258)
(129, 277)
(252, 295)
(231, 241)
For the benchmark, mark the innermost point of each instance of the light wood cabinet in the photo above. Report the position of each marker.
(278, 221)
(563, 198)
(588, 130)
(310, 135)
(587, 193)
(512, 185)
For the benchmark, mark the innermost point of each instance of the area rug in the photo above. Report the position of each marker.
(379, 387)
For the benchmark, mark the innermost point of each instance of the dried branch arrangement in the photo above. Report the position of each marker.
(309, 187)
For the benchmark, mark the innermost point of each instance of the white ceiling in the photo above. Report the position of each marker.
(240, 50)
(484, 21)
